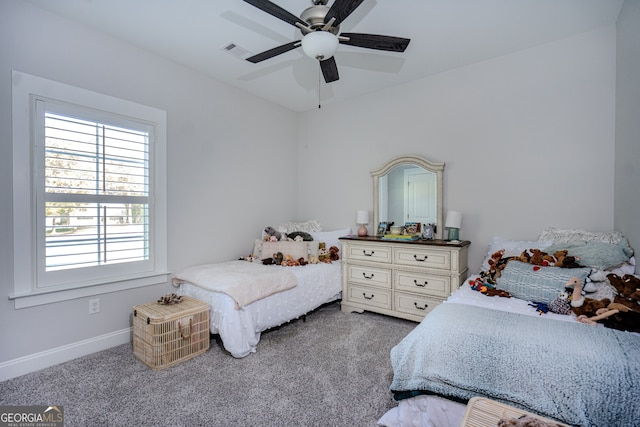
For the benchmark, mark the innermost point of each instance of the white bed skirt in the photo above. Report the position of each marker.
(240, 329)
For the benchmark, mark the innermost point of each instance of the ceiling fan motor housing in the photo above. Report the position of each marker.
(314, 17)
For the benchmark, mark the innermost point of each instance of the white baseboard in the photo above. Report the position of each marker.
(44, 359)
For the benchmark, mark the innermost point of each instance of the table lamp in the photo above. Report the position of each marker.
(453, 223)
(362, 218)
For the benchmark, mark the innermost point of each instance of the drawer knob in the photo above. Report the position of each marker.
(367, 277)
(420, 260)
(364, 252)
(420, 308)
(366, 297)
(422, 285)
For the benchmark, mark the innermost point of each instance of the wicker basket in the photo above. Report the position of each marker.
(483, 412)
(165, 335)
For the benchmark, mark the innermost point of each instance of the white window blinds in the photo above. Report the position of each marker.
(96, 186)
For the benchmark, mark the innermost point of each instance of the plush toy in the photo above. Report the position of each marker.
(615, 316)
(561, 304)
(277, 259)
(541, 307)
(628, 289)
(323, 253)
(271, 232)
(288, 261)
(313, 259)
(333, 253)
(537, 257)
(576, 295)
(300, 236)
(559, 256)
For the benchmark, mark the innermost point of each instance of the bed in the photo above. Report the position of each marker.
(247, 298)
(507, 350)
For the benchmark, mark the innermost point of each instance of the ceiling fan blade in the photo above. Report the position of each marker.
(329, 70)
(275, 10)
(376, 41)
(340, 9)
(273, 52)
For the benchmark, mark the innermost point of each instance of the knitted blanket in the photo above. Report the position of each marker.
(576, 373)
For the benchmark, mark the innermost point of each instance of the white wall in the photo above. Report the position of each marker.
(627, 164)
(527, 138)
(219, 140)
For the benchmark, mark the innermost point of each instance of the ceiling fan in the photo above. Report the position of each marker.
(320, 26)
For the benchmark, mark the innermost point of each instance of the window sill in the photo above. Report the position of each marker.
(48, 296)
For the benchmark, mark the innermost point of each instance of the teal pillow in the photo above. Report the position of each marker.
(535, 283)
(602, 256)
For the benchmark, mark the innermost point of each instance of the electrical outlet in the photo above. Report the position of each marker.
(94, 306)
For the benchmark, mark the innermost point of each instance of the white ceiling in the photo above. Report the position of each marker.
(444, 34)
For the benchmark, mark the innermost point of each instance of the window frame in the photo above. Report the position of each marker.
(29, 289)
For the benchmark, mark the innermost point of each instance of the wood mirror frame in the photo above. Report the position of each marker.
(416, 161)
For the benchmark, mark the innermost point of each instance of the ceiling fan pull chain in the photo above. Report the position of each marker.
(319, 83)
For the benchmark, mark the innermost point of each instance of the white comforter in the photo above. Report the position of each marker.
(240, 329)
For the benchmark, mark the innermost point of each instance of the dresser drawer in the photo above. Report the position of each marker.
(414, 304)
(374, 297)
(372, 253)
(432, 284)
(422, 258)
(368, 275)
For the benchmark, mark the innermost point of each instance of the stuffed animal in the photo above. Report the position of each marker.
(577, 299)
(615, 316)
(276, 259)
(333, 253)
(300, 236)
(537, 257)
(323, 253)
(271, 232)
(288, 261)
(561, 304)
(541, 307)
(628, 289)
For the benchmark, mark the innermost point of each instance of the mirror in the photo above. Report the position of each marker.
(408, 189)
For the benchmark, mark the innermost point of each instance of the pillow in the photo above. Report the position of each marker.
(602, 256)
(562, 236)
(314, 248)
(296, 249)
(511, 247)
(535, 283)
(330, 238)
(308, 227)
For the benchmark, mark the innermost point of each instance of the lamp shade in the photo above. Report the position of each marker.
(454, 220)
(319, 45)
(362, 217)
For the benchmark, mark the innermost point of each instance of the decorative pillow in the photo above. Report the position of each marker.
(308, 227)
(596, 254)
(314, 247)
(534, 283)
(331, 237)
(296, 249)
(511, 247)
(563, 236)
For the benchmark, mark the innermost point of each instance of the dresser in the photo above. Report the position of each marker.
(398, 278)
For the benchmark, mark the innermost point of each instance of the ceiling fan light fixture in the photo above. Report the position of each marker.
(319, 45)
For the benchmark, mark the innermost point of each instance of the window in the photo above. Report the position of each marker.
(93, 208)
